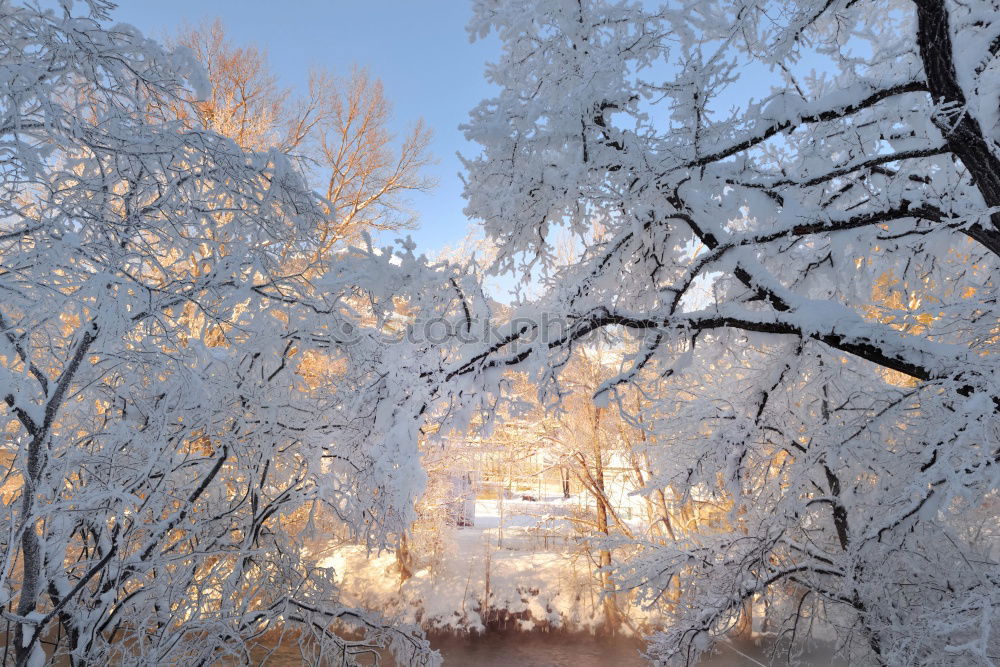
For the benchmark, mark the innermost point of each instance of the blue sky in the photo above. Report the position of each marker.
(419, 49)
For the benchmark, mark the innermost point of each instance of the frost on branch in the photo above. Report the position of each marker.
(192, 387)
(789, 216)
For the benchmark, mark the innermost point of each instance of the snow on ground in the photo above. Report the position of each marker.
(516, 556)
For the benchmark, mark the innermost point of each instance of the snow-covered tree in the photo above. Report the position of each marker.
(800, 215)
(189, 380)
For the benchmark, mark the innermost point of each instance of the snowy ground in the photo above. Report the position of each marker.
(516, 556)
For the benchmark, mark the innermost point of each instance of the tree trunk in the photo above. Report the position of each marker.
(611, 617)
(404, 559)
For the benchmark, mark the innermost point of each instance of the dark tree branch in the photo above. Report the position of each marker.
(960, 128)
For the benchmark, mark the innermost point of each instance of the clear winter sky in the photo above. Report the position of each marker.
(419, 48)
